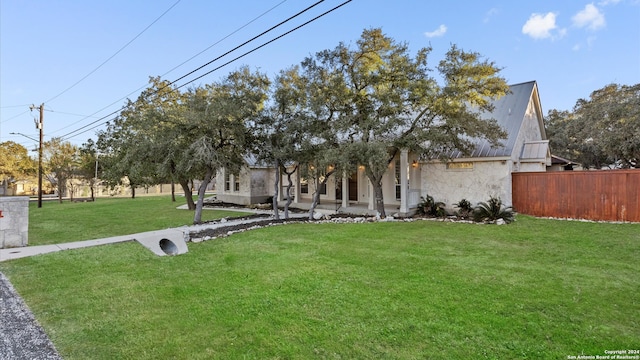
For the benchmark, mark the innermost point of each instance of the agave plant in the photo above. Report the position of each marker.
(428, 206)
(466, 210)
(492, 210)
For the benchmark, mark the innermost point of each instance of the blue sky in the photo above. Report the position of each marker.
(71, 55)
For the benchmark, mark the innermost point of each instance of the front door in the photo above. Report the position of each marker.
(353, 187)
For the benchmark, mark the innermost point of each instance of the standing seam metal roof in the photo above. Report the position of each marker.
(509, 112)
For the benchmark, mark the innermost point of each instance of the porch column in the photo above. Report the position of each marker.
(345, 190)
(404, 181)
(296, 188)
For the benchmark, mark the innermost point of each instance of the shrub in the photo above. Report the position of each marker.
(466, 210)
(428, 206)
(492, 210)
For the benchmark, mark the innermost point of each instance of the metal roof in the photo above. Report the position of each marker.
(509, 112)
(535, 150)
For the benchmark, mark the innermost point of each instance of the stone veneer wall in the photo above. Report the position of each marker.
(14, 223)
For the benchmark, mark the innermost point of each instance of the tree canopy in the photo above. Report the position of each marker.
(15, 163)
(360, 105)
(344, 107)
(602, 131)
(61, 164)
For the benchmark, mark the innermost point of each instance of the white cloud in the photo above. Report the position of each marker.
(589, 44)
(441, 30)
(490, 14)
(539, 26)
(590, 17)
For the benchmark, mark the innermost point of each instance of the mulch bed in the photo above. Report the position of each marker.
(224, 230)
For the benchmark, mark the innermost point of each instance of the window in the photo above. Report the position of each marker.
(397, 180)
(323, 189)
(227, 181)
(304, 186)
(236, 185)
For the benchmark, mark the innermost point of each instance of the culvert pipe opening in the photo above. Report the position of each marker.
(169, 247)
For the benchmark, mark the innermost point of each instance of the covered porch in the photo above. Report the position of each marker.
(353, 193)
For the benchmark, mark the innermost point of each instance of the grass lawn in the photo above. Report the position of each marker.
(536, 289)
(56, 223)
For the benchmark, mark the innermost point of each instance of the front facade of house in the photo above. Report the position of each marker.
(486, 172)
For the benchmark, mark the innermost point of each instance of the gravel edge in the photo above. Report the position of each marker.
(21, 336)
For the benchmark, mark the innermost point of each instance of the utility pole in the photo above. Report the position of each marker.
(39, 125)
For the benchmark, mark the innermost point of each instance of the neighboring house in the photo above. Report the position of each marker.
(561, 164)
(486, 172)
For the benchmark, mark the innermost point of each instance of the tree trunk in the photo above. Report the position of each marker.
(314, 203)
(377, 190)
(376, 182)
(276, 186)
(133, 191)
(173, 191)
(289, 186)
(197, 219)
(188, 195)
(60, 190)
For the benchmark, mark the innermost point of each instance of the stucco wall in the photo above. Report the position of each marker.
(14, 223)
(487, 178)
(529, 131)
(255, 186)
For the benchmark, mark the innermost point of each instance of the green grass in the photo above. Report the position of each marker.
(56, 222)
(536, 289)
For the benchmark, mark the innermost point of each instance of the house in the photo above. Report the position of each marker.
(485, 172)
(561, 164)
(253, 185)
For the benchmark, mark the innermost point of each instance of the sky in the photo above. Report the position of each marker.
(83, 59)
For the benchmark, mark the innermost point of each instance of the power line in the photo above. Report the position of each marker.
(248, 41)
(224, 38)
(223, 65)
(72, 114)
(13, 117)
(145, 85)
(116, 53)
(14, 106)
(266, 43)
(93, 71)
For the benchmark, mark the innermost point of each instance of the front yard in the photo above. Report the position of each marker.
(533, 289)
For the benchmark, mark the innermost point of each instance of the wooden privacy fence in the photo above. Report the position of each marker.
(612, 195)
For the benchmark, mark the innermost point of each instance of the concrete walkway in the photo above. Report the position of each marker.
(16, 253)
